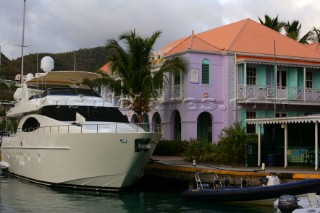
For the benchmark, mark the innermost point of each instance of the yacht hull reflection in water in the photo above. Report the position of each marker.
(69, 136)
(15, 198)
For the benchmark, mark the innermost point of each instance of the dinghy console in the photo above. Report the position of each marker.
(270, 180)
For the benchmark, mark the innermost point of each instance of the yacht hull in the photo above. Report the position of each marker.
(108, 161)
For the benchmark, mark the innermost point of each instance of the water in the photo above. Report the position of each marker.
(18, 196)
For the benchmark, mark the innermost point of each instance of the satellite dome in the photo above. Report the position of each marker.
(29, 76)
(47, 64)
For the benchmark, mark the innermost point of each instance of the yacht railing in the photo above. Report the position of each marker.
(85, 128)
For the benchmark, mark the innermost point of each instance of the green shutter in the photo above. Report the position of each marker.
(300, 78)
(292, 114)
(205, 72)
(272, 73)
(241, 74)
(316, 80)
(243, 117)
(270, 114)
(292, 83)
(262, 76)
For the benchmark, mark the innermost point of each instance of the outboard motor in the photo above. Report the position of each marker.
(288, 203)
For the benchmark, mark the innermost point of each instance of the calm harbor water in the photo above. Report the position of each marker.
(19, 196)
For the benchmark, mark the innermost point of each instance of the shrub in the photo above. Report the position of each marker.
(170, 148)
(2, 111)
(9, 125)
(252, 139)
(3, 85)
(232, 144)
(229, 150)
(200, 151)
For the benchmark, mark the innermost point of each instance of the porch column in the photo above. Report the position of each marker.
(316, 146)
(245, 79)
(259, 144)
(285, 126)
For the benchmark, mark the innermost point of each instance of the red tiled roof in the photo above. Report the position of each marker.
(193, 42)
(246, 37)
(314, 46)
(106, 68)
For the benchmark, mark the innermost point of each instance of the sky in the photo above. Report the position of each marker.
(57, 26)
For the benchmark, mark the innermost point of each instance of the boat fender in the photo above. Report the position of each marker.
(288, 203)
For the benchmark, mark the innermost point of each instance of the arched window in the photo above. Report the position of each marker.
(205, 79)
(156, 122)
(177, 126)
(146, 126)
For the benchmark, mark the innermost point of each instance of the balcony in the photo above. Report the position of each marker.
(264, 93)
(159, 97)
(176, 92)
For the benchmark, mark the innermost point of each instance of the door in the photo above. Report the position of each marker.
(204, 127)
(282, 84)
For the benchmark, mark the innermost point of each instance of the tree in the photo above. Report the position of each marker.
(133, 72)
(293, 31)
(315, 36)
(272, 23)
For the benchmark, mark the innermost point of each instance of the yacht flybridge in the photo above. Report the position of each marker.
(69, 136)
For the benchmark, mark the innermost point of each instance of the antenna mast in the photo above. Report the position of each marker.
(22, 41)
(275, 79)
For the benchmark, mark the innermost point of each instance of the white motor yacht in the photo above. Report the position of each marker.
(69, 136)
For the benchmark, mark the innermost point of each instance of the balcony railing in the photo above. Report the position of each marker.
(176, 92)
(283, 93)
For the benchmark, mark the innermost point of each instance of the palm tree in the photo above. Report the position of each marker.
(272, 23)
(133, 72)
(315, 36)
(293, 31)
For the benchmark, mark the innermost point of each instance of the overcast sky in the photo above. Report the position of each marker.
(55, 26)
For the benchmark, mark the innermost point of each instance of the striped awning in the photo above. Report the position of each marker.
(284, 120)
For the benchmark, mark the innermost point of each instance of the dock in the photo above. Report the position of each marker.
(176, 168)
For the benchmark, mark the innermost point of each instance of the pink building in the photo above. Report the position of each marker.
(237, 71)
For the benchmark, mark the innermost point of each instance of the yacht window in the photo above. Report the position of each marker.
(70, 92)
(91, 113)
(30, 125)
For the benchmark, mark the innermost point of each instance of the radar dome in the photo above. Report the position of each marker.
(47, 64)
(29, 76)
